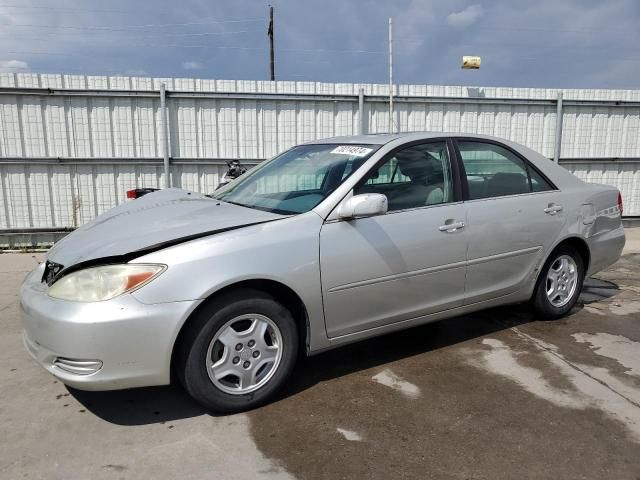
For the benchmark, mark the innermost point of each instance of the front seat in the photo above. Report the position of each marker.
(416, 192)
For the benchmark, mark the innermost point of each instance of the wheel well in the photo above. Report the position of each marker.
(279, 291)
(580, 246)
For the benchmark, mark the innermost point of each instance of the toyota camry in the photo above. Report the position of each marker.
(328, 243)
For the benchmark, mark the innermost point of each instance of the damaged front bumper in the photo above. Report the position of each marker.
(113, 344)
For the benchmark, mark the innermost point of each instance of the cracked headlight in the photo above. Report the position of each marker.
(95, 284)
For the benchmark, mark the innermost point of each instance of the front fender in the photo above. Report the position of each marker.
(286, 251)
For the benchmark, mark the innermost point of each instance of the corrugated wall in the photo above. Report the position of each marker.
(70, 146)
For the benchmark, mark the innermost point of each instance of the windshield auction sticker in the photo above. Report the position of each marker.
(352, 150)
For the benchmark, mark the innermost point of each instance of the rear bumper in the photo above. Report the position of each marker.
(605, 249)
(120, 343)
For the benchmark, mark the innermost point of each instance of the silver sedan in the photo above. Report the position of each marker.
(328, 243)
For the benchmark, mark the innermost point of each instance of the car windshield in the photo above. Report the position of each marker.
(297, 180)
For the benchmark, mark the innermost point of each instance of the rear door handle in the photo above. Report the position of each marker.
(552, 209)
(451, 226)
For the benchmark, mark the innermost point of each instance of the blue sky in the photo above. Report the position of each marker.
(523, 43)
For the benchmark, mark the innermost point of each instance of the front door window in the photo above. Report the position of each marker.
(413, 177)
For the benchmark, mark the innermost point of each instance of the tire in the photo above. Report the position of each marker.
(218, 340)
(549, 303)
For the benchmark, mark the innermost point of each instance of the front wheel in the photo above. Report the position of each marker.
(238, 351)
(560, 283)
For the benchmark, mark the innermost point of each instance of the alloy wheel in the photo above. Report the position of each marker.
(244, 354)
(562, 281)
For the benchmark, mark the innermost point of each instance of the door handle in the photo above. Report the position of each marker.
(451, 226)
(552, 209)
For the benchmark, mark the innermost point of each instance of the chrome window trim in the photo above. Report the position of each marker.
(509, 196)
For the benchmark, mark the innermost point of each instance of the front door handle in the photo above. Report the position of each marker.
(552, 209)
(451, 226)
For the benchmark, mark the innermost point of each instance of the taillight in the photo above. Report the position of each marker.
(620, 206)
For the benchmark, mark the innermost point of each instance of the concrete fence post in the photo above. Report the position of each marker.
(363, 129)
(164, 135)
(558, 136)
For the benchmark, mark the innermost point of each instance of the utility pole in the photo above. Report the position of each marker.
(391, 127)
(271, 55)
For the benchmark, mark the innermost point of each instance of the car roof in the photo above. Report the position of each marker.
(383, 138)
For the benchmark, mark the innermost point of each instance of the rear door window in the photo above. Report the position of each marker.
(494, 171)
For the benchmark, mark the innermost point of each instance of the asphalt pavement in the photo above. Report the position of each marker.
(493, 395)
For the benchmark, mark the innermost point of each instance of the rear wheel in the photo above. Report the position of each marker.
(560, 283)
(237, 351)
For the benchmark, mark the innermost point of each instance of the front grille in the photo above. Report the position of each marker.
(51, 270)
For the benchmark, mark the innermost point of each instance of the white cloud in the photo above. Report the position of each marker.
(465, 17)
(191, 65)
(14, 66)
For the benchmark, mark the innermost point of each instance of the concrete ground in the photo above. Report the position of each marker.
(498, 394)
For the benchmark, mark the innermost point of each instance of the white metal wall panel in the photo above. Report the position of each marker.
(126, 179)
(55, 120)
(185, 142)
(40, 196)
(65, 207)
(248, 129)
(145, 128)
(85, 193)
(227, 129)
(105, 188)
(29, 112)
(122, 125)
(269, 115)
(78, 120)
(209, 129)
(102, 133)
(116, 131)
(306, 122)
(324, 120)
(10, 128)
(17, 198)
(287, 125)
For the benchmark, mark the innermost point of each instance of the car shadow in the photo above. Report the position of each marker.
(595, 290)
(143, 406)
(392, 347)
(140, 406)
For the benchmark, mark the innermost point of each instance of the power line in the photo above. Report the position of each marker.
(139, 34)
(142, 35)
(221, 47)
(322, 50)
(41, 7)
(555, 47)
(482, 26)
(124, 27)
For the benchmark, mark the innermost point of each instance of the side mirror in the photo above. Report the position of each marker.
(364, 205)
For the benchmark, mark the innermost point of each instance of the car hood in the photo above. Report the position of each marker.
(152, 222)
